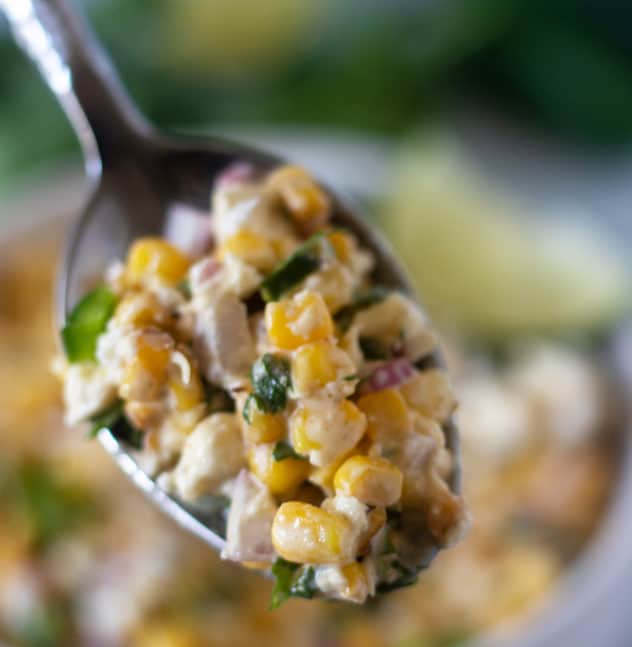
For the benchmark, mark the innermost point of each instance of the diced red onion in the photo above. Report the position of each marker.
(189, 229)
(204, 270)
(235, 173)
(389, 375)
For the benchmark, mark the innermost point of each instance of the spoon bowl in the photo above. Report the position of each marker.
(137, 176)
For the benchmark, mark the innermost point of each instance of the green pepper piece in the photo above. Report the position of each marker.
(86, 322)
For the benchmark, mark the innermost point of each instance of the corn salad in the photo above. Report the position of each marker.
(271, 373)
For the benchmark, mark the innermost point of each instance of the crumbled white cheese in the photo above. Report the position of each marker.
(87, 391)
(212, 453)
(248, 530)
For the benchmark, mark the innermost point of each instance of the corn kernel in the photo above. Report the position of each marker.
(252, 248)
(343, 244)
(155, 257)
(166, 634)
(323, 476)
(140, 309)
(370, 479)
(313, 367)
(146, 374)
(430, 393)
(356, 582)
(326, 430)
(377, 519)
(280, 477)
(264, 427)
(299, 432)
(293, 322)
(184, 382)
(386, 413)
(304, 533)
(304, 199)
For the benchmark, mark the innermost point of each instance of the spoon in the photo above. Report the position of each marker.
(136, 175)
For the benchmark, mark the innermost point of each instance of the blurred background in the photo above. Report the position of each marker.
(492, 141)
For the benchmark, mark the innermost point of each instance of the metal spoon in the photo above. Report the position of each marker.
(136, 174)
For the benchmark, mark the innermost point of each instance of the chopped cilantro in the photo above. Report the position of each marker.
(305, 584)
(305, 260)
(351, 378)
(271, 380)
(283, 450)
(291, 580)
(86, 322)
(283, 572)
(251, 401)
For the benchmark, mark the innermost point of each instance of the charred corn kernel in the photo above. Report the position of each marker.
(302, 319)
(370, 479)
(280, 477)
(343, 244)
(264, 427)
(146, 374)
(155, 257)
(386, 413)
(303, 198)
(252, 248)
(313, 367)
(304, 533)
(430, 393)
(184, 382)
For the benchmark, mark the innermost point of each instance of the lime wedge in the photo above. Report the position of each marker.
(484, 265)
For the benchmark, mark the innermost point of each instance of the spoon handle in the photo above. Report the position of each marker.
(76, 69)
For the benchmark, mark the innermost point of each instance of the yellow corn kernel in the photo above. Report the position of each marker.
(252, 248)
(139, 309)
(147, 372)
(299, 432)
(323, 476)
(386, 413)
(293, 322)
(264, 427)
(166, 634)
(313, 367)
(343, 244)
(184, 382)
(373, 480)
(155, 257)
(256, 566)
(303, 198)
(326, 431)
(280, 477)
(304, 533)
(356, 582)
